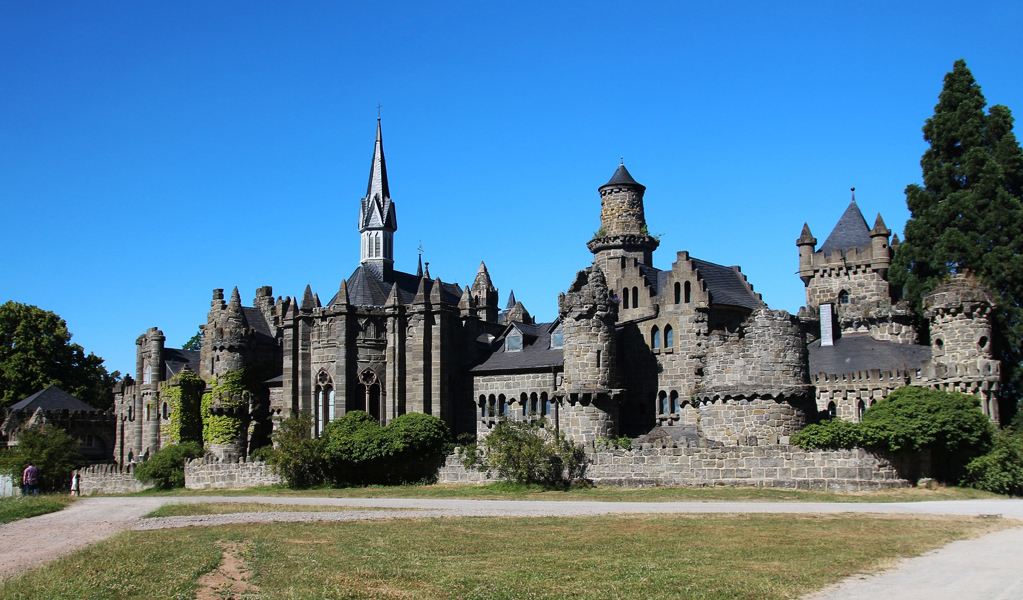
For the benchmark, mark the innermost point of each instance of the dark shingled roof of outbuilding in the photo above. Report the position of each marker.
(851, 231)
(176, 358)
(51, 398)
(535, 355)
(859, 352)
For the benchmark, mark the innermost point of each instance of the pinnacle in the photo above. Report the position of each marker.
(307, 299)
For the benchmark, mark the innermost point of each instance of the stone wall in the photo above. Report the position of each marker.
(110, 479)
(779, 466)
(209, 473)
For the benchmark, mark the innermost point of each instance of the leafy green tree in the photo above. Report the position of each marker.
(968, 214)
(51, 450)
(948, 425)
(529, 453)
(36, 351)
(297, 457)
(195, 342)
(166, 468)
(1001, 470)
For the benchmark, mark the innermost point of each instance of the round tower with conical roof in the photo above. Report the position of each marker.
(623, 231)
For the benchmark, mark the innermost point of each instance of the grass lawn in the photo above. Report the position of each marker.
(635, 556)
(228, 508)
(504, 491)
(23, 507)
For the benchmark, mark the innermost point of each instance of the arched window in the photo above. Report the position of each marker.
(860, 409)
(533, 404)
(832, 410)
(655, 338)
(669, 337)
(546, 404)
(147, 376)
(483, 406)
(678, 293)
(939, 345)
(331, 410)
(491, 406)
(674, 401)
(843, 297)
(524, 401)
(635, 297)
(688, 292)
(503, 405)
(166, 411)
(662, 403)
(625, 298)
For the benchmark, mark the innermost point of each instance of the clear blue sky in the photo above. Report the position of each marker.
(153, 151)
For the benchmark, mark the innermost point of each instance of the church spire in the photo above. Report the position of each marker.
(377, 219)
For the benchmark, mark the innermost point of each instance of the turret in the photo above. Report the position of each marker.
(806, 244)
(623, 231)
(879, 244)
(377, 218)
(485, 294)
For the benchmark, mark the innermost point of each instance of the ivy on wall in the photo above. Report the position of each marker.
(229, 391)
(183, 397)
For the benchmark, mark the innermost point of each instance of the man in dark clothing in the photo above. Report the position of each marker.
(30, 479)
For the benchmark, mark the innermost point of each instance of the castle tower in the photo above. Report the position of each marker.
(623, 232)
(589, 403)
(962, 350)
(377, 220)
(846, 280)
(485, 295)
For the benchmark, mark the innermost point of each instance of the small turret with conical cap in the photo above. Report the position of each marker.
(623, 231)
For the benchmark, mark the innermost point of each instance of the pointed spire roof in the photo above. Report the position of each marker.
(879, 227)
(806, 237)
(851, 231)
(623, 177)
(342, 293)
(378, 170)
(419, 269)
(308, 303)
(511, 300)
(482, 281)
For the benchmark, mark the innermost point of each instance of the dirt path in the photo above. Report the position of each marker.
(31, 542)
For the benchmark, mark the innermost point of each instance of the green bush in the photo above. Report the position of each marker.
(297, 457)
(948, 425)
(357, 450)
(166, 468)
(1001, 470)
(529, 453)
(51, 450)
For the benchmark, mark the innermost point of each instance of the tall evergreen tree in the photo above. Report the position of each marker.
(968, 214)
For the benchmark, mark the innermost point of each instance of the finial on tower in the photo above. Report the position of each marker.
(378, 112)
(853, 190)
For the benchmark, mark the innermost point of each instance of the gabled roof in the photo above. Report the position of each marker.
(726, 285)
(859, 352)
(176, 359)
(257, 321)
(536, 352)
(51, 398)
(851, 231)
(367, 287)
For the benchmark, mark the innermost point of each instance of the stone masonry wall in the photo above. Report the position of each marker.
(210, 473)
(110, 479)
(752, 421)
(786, 467)
(512, 386)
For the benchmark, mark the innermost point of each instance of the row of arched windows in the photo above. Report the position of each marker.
(533, 405)
(861, 407)
(655, 337)
(635, 297)
(683, 294)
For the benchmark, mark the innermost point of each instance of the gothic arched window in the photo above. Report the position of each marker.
(669, 337)
(655, 338)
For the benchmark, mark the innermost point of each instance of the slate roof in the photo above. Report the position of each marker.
(256, 320)
(726, 285)
(851, 231)
(859, 352)
(367, 287)
(51, 398)
(176, 359)
(536, 353)
(622, 177)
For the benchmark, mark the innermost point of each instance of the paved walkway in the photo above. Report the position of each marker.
(986, 568)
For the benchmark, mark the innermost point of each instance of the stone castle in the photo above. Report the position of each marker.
(689, 351)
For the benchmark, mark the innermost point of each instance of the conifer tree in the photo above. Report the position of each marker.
(968, 214)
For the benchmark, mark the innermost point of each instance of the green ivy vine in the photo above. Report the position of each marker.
(228, 391)
(184, 398)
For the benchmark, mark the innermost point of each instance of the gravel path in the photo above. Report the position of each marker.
(974, 569)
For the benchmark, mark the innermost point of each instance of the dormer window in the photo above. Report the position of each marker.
(513, 343)
(558, 339)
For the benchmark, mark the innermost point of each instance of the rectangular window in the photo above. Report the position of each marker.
(557, 339)
(513, 343)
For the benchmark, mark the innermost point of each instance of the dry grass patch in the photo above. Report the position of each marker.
(631, 556)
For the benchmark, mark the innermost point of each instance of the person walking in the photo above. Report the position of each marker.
(76, 484)
(30, 479)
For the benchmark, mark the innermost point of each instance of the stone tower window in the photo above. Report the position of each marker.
(662, 403)
(860, 409)
(688, 292)
(655, 338)
(147, 376)
(939, 345)
(843, 297)
(669, 337)
(982, 342)
(832, 410)
(678, 293)
(625, 298)
(635, 297)
(166, 411)
(674, 401)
